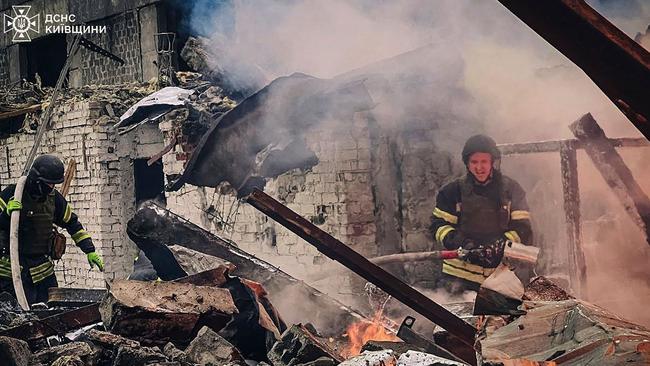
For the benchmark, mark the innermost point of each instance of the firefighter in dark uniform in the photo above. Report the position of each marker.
(40, 207)
(479, 211)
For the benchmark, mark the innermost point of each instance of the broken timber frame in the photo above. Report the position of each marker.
(618, 65)
(334, 249)
(568, 160)
(613, 169)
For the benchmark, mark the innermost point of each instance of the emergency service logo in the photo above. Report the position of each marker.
(21, 23)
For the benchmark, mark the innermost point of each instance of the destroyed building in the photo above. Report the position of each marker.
(366, 188)
(366, 174)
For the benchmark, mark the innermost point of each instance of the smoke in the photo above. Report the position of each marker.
(484, 71)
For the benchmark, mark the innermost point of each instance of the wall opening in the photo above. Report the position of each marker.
(45, 56)
(149, 181)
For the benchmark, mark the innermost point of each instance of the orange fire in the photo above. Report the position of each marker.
(363, 331)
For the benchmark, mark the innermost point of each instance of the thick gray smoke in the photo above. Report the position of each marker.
(494, 70)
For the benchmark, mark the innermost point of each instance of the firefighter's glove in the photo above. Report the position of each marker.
(95, 260)
(13, 205)
(454, 240)
(488, 256)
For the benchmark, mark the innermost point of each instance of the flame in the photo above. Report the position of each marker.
(360, 332)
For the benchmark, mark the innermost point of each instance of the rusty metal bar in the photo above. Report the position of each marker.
(613, 169)
(570, 188)
(556, 145)
(619, 66)
(354, 261)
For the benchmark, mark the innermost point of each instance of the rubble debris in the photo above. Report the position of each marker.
(198, 58)
(414, 358)
(154, 106)
(15, 352)
(372, 358)
(136, 356)
(59, 323)
(417, 342)
(340, 252)
(298, 346)
(216, 277)
(11, 314)
(613, 169)
(164, 311)
(542, 289)
(619, 66)
(153, 228)
(174, 354)
(240, 146)
(500, 294)
(81, 350)
(105, 345)
(252, 330)
(212, 61)
(68, 361)
(520, 362)
(568, 331)
(192, 261)
(73, 297)
(208, 347)
(397, 347)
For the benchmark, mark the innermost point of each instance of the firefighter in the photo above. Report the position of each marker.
(479, 211)
(41, 206)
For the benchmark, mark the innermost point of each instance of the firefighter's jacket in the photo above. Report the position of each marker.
(483, 213)
(37, 218)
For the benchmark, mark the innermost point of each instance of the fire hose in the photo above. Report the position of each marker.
(511, 250)
(13, 247)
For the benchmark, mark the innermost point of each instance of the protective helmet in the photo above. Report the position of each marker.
(47, 169)
(480, 143)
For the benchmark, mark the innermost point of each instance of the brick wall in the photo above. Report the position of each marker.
(122, 39)
(335, 195)
(101, 193)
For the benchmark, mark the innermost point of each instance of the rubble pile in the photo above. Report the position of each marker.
(25, 102)
(215, 318)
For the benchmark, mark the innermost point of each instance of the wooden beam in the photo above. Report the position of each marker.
(570, 188)
(613, 169)
(618, 65)
(21, 111)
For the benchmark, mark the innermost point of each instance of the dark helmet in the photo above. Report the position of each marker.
(47, 169)
(480, 143)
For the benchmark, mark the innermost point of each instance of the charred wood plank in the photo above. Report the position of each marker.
(570, 189)
(55, 324)
(73, 297)
(154, 228)
(618, 65)
(354, 261)
(556, 145)
(613, 169)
